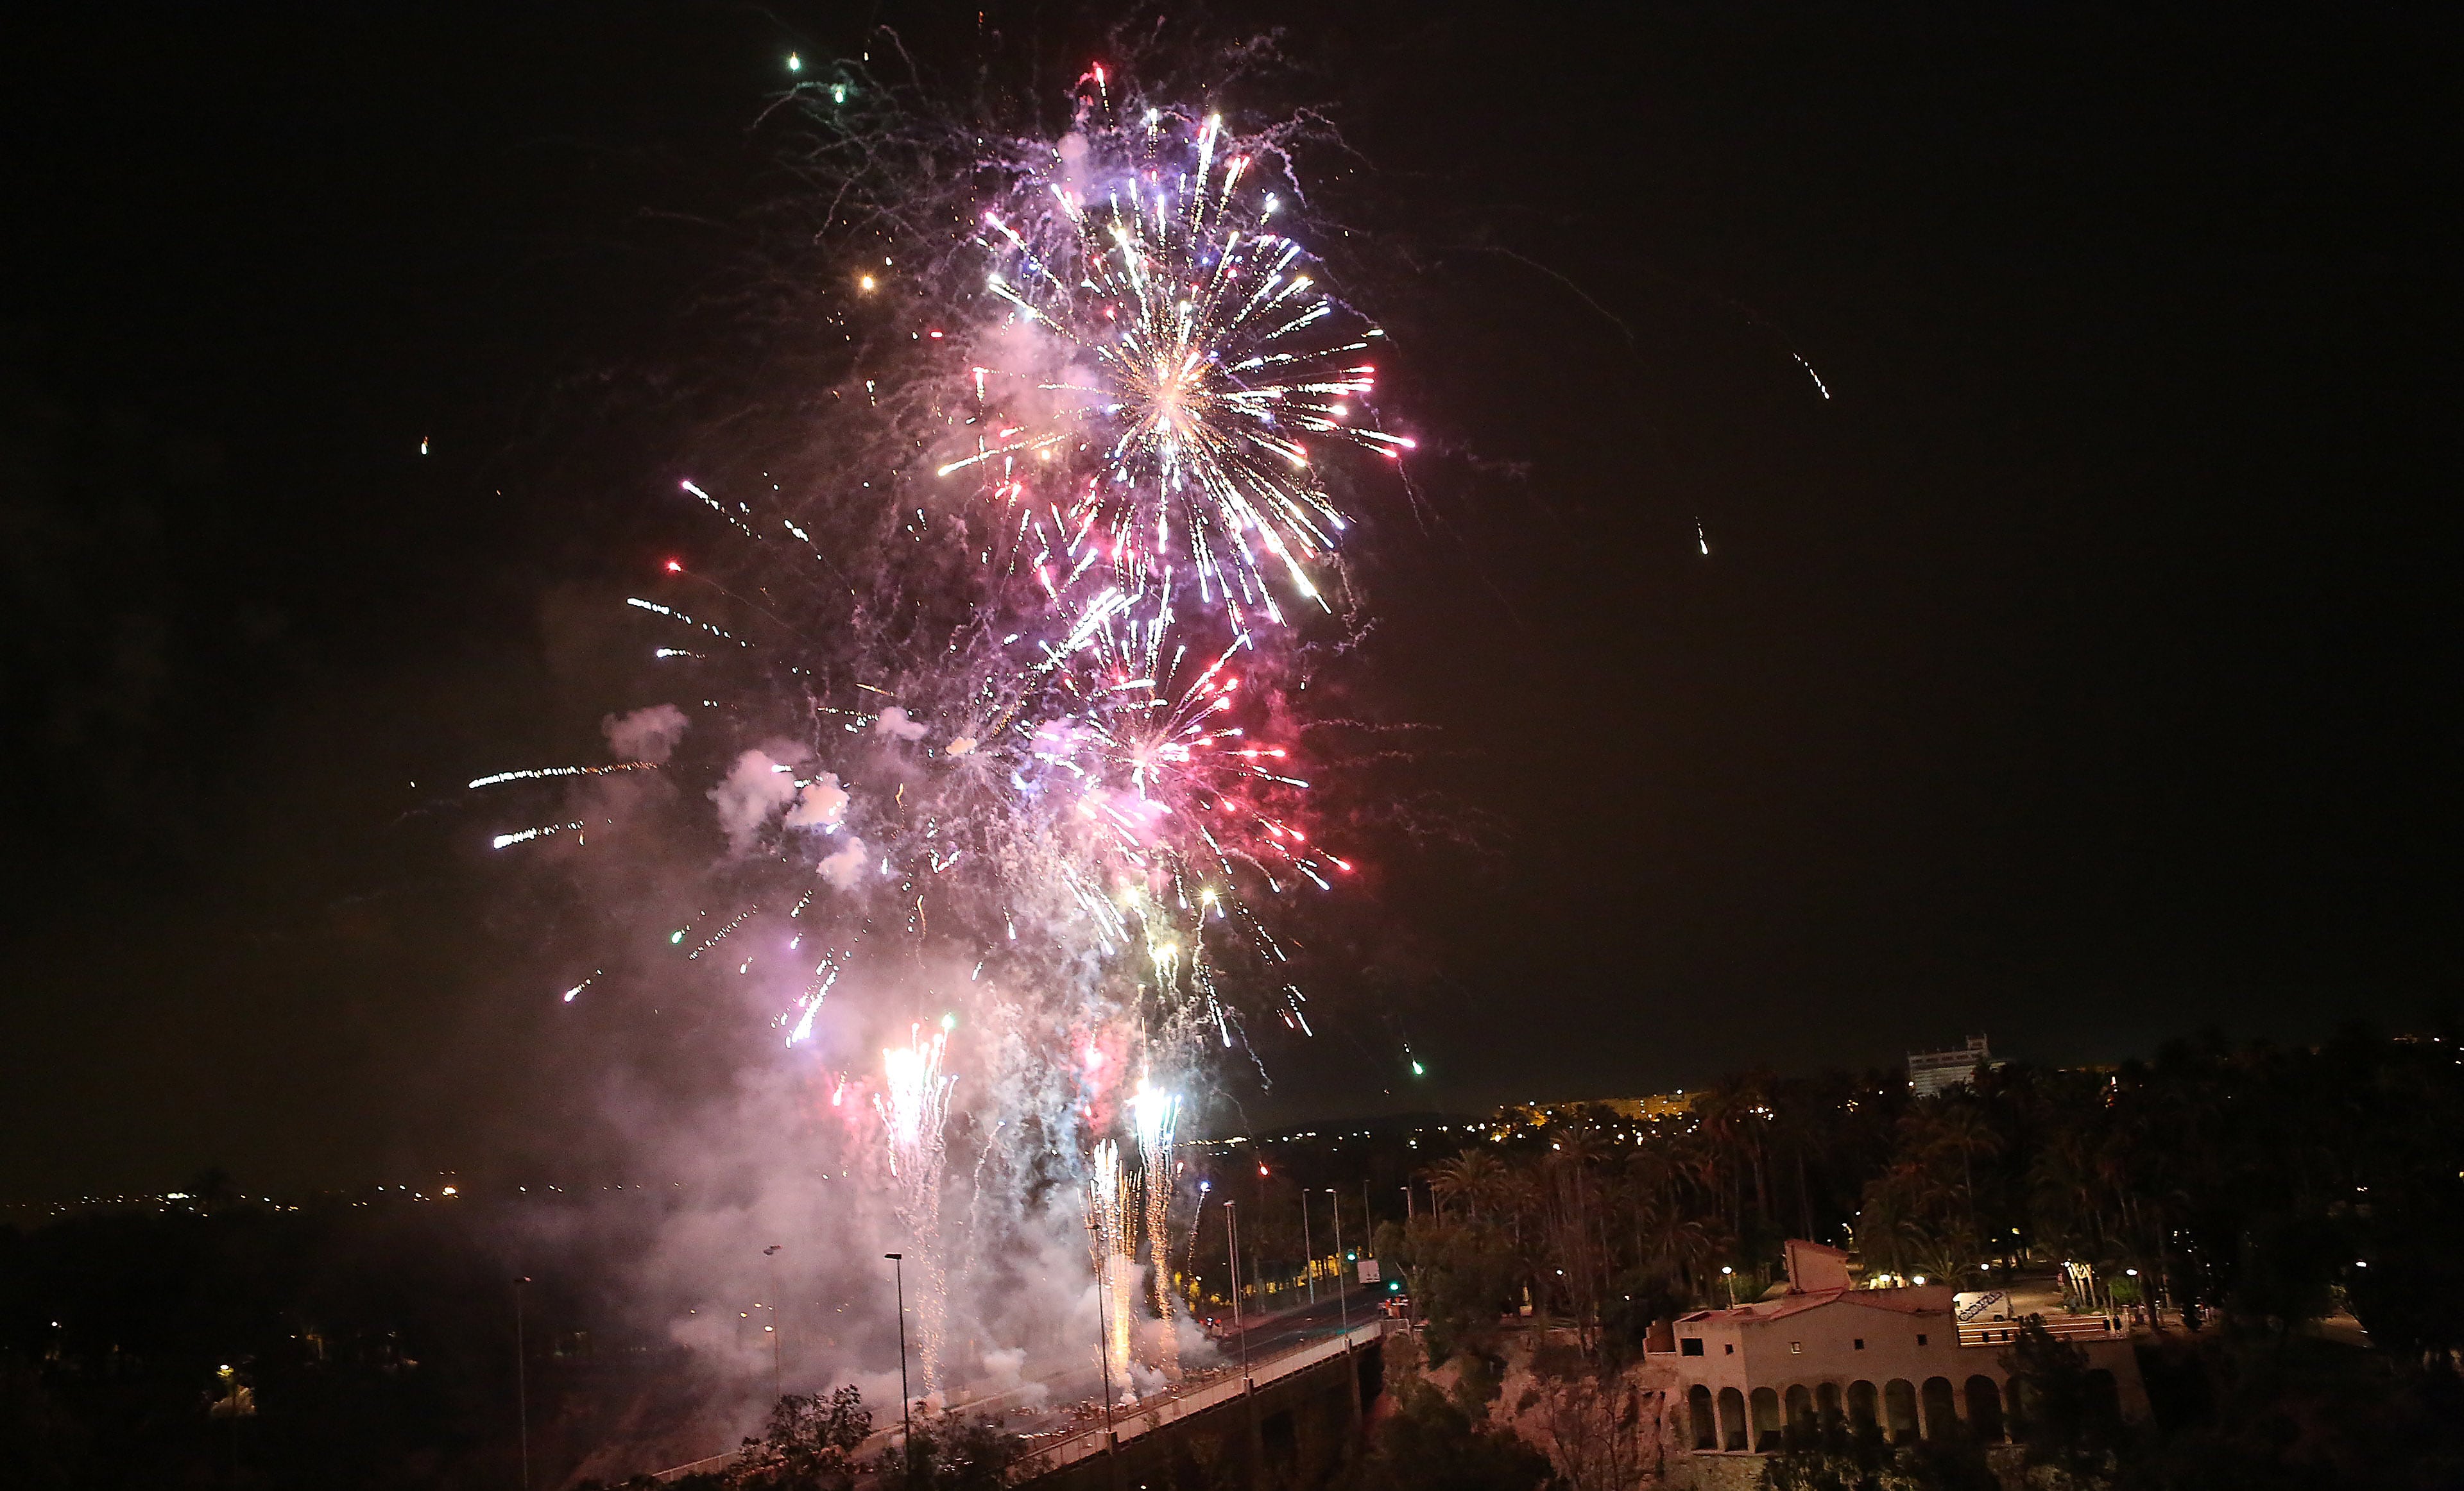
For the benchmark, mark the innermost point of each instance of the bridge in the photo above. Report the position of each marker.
(1157, 1415)
(1288, 1421)
(1303, 1398)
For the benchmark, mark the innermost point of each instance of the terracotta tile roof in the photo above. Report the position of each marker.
(1925, 1301)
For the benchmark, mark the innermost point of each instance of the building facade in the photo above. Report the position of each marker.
(1826, 1354)
(1932, 1073)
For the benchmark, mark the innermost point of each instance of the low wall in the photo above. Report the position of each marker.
(1293, 1431)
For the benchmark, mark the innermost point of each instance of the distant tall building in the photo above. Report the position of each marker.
(1933, 1072)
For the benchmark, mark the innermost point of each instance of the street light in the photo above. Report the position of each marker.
(1232, 1257)
(1730, 1274)
(1103, 1327)
(906, 1406)
(1343, 1307)
(1307, 1251)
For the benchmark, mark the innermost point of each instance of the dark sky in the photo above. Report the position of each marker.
(2074, 672)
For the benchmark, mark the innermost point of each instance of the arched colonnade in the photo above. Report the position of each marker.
(1897, 1410)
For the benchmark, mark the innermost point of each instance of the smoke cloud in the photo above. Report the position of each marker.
(842, 868)
(756, 787)
(821, 804)
(894, 721)
(646, 734)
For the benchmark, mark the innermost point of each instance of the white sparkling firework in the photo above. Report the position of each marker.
(1194, 361)
(1111, 1226)
(912, 1105)
(1155, 1114)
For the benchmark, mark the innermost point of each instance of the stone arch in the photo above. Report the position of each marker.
(1862, 1408)
(2104, 1399)
(1826, 1406)
(1707, 1424)
(1984, 1409)
(1732, 1419)
(1802, 1431)
(1941, 1409)
(1767, 1433)
(1900, 1410)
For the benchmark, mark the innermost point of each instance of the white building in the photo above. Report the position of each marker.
(1827, 1354)
(1932, 1073)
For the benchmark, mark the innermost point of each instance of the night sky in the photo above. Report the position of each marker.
(2077, 671)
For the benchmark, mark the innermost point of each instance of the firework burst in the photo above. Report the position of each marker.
(997, 700)
(1191, 361)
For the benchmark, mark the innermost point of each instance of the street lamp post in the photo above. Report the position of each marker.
(1342, 1305)
(1730, 1274)
(905, 1405)
(521, 1382)
(1306, 1250)
(1232, 1257)
(1103, 1330)
(778, 1388)
(1407, 1204)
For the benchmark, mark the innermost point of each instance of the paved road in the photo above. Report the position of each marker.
(1275, 1332)
(1075, 1394)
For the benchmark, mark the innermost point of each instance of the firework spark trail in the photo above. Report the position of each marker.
(1154, 1114)
(912, 1105)
(1111, 1226)
(543, 773)
(526, 835)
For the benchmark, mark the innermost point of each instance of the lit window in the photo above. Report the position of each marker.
(1797, 1349)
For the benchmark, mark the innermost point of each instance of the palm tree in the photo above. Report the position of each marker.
(1957, 1127)
(1473, 1177)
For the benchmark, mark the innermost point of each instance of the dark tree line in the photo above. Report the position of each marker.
(2234, 1194)
(2264, 1184)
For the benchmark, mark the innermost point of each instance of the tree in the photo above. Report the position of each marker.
(1879, 1467)
(1474, 1177)
(809, 1446)
(1429, 1445)
(952, 1452)
(1463, 1275)
(2056, 1413)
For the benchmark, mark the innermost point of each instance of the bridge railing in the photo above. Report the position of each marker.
(1153, 1414)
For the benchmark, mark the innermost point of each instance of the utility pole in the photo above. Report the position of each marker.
(1306, 1250)
(777, 1389)
(521, 1382)
(1342, 1305)
(905, 1405)
(1104, 1330)
(1232, 1257)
